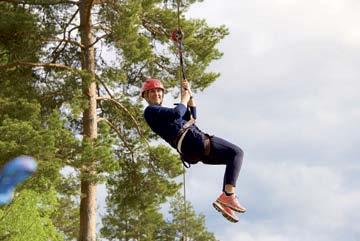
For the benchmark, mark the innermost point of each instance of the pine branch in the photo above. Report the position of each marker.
(30, 64)
(117, 131)
(153, 29)
(121, 106)
(97, 40)
(43, 3)
(7, 210)
(66, 41)
(168, 69)
(105, 86)
(56, 53)
(102, 1)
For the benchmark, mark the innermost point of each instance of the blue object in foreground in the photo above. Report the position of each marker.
(13, 173)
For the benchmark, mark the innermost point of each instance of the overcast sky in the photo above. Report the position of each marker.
(288, 95)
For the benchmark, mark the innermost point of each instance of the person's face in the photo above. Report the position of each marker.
(154, 96)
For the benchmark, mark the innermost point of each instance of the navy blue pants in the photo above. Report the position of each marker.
(223, 152)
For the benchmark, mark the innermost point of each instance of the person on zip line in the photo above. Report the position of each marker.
(12, 174)
(177, 127)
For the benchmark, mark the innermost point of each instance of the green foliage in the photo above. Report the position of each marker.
(141, 31)
(98, 153)
(41, 108)
(186, 222)
(31, 125)
(21, 129)
(134, 212)
(67, 220)
(20, 36)
(29, 217)
(23, 132)
(126, 23)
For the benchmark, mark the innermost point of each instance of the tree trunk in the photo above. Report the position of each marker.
(88, 187)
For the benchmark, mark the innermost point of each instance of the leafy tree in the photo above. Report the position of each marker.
(26, 130)
(133, 213)
(186, 223)
(23, 132)
(55, 54)
(29, 218)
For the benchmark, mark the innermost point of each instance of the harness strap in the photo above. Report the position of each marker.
(207, 144)
(179, 144)
(185, 163)
(182, 130)
(179, 138)
(188, 123)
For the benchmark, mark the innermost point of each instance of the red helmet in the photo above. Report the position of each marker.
(150, 84)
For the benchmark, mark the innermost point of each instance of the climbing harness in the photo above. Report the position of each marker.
(179, 139)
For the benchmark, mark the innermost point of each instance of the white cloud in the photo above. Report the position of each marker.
(288, 95)
(281, 19)
(283, 200)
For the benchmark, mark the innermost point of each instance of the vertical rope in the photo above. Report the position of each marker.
(180, 41)
(180, 48)
(185, 208)
(178, 12)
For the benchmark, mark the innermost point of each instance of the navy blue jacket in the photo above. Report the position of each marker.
(167, 122)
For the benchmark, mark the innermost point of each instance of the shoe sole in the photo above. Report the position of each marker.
(218, 208)
(234, 209)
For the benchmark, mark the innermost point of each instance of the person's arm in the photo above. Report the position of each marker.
(191, 102)
(160, 112)
(185, 93)
(192, 107)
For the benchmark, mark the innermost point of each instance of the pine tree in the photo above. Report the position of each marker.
(26, 130)
(29, 218)
(186, 224)
(134, 213)
(59, 57)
